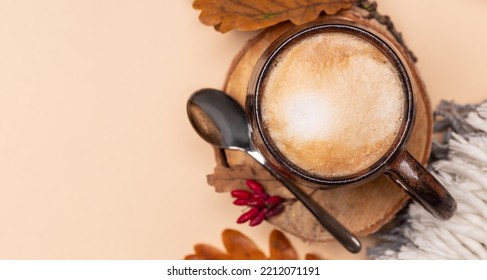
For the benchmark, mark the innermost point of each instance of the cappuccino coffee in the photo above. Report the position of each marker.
(332, 104)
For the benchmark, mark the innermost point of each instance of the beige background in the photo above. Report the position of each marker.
(97, 158)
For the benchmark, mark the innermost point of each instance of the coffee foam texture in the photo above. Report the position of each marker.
(333, 104)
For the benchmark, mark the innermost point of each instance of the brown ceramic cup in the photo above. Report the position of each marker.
(269, 119)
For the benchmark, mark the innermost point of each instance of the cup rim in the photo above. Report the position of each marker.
(265, 145)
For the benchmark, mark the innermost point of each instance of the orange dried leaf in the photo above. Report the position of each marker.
(207, 252)
(311, 257)
(246, 15)
(280, 248)
(240, 247)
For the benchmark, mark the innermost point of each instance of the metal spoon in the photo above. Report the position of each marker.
(220, 121)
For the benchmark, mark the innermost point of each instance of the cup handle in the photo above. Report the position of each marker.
(423, 187)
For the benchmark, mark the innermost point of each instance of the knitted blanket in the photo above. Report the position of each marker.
(459, 161)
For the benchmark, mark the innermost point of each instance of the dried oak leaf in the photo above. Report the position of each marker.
(247, 15)
(226, 179)
(280, 248)
(240, 247)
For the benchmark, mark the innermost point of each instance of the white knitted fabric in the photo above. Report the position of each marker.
(464, 174)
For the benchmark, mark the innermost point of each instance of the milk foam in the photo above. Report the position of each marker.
(333, 104)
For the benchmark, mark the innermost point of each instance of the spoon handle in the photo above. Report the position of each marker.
(334, 227)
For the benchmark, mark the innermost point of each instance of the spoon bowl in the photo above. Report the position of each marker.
(219, 119)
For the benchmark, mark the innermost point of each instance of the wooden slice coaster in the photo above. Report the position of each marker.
(363, 209)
